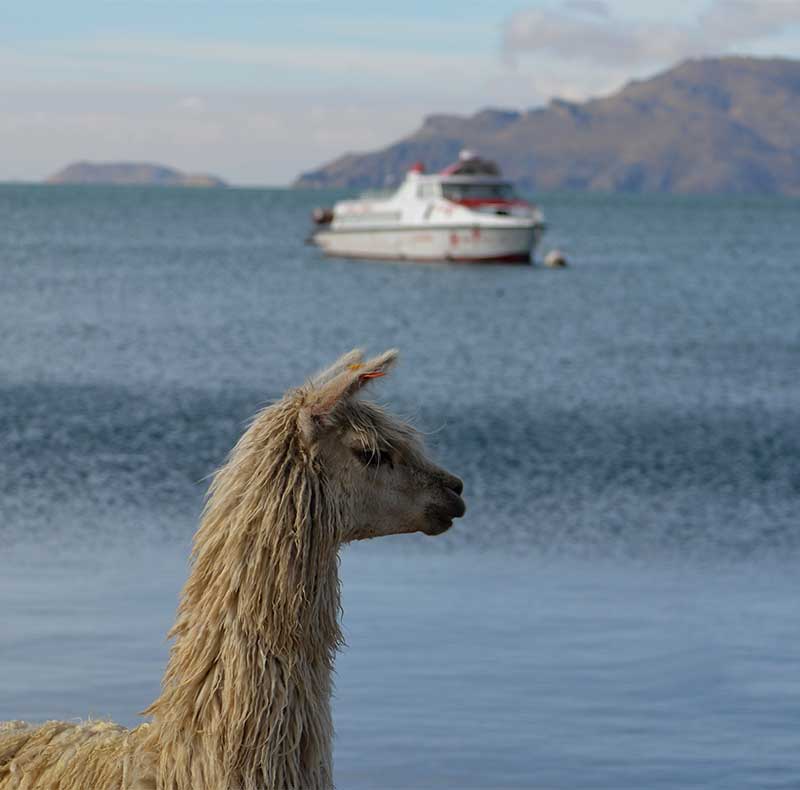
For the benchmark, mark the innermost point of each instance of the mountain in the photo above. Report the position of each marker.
(138, 173)
(723, 125)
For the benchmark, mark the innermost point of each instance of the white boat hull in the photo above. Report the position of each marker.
(467, 243)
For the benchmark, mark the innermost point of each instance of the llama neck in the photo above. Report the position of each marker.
(246, 693)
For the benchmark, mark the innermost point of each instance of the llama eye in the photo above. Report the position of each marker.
(374, 457)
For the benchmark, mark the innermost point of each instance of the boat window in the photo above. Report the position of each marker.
(455, 191)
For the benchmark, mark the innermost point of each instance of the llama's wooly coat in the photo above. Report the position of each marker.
(245, 702)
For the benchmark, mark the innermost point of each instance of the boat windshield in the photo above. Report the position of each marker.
(457, 191)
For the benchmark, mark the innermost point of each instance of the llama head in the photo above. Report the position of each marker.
(373, 462)
(315, 469)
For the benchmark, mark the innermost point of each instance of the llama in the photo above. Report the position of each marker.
(245, 700)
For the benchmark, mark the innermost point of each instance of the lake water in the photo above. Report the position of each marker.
(619, 607)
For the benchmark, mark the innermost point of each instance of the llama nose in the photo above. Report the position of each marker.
(455, 484)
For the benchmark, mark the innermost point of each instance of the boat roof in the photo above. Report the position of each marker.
(469, 167)
(469, 164)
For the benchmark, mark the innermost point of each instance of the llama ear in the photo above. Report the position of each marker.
(327, 393)
(354, 357)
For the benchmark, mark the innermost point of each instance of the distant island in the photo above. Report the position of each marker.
(721, 125)
(131, 173)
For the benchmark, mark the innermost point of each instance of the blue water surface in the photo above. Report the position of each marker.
(619, 607)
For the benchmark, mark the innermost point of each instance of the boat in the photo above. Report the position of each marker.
(465, 213)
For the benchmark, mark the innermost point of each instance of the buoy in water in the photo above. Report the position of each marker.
(555, 259)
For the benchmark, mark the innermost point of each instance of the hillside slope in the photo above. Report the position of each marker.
(726, 125)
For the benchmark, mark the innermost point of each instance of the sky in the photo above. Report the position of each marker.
(259, 91)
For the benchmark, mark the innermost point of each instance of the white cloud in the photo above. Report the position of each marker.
(248, 113)
(290, 64)
(244, 138)
(602, 39)
(594, 7)
(192, 104)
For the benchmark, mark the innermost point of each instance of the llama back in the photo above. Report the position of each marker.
(70, 756)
